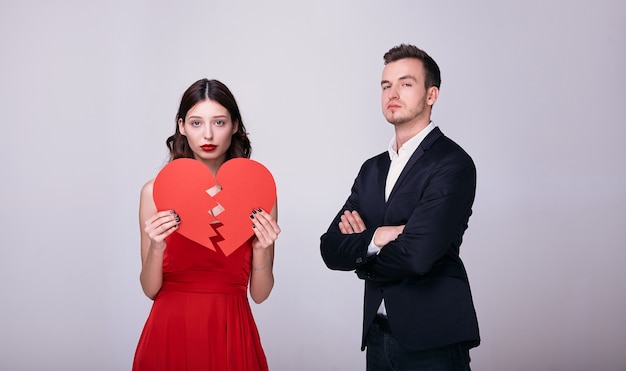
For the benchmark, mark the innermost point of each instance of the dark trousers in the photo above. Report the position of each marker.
(385, 354)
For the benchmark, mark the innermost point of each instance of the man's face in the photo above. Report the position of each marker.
(405, 100)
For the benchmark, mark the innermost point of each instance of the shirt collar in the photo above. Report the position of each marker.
(411, 145)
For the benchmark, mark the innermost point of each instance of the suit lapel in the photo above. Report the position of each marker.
(419, 152)
(383, 165)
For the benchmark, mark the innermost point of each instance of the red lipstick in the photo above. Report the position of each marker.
(208, 147)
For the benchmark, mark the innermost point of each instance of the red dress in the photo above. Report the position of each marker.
(201, 318)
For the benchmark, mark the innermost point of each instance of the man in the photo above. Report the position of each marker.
(401, 229)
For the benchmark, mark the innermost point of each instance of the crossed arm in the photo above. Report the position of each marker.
(433, 227)
(351, 222)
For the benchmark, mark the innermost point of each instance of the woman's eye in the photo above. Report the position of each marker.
(196, 123)
(219, 123)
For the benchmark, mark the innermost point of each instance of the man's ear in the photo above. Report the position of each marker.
(181, 126)
(431, 95)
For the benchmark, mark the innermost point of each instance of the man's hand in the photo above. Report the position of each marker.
(384, 235)
(351, 222)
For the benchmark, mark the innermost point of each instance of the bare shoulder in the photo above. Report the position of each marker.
(146, 201)
(146, 190)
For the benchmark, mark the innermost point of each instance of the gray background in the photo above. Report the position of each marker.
(533, 90)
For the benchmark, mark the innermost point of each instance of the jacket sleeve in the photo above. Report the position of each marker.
(434, 228)
(346, 251)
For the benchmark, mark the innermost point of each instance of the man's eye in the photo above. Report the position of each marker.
(407, 84)
(385, 87)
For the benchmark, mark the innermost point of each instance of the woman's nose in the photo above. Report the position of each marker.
(208, 132)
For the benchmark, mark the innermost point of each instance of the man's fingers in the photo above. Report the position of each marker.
(358, 225)
(344, 225)
(351, 222)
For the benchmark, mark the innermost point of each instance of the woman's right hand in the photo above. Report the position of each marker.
(159, 226)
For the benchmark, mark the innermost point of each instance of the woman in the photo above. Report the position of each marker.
(201, 318)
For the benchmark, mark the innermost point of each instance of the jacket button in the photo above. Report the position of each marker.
(359, 260)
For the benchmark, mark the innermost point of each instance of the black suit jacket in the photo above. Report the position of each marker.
(420, 274)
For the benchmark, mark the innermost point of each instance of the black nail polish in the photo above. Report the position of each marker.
(260, 209)
(253, 211)
(251, 216)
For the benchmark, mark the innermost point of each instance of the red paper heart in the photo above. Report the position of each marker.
(181, 186)
(245, 185)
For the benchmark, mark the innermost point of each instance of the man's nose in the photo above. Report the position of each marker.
(392, 93)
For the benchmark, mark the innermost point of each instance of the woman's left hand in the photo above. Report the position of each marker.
(265, 227)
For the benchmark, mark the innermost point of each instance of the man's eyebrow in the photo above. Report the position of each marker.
(405, 77)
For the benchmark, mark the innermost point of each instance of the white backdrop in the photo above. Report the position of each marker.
(533, 91)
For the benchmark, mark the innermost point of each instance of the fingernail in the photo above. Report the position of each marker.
(251, 216)
(253, 226)
(260, 209)
(177, 219)
(172, 212)
(253, 211)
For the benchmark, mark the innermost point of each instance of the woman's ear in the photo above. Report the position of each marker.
(181, 126)
(235, 126)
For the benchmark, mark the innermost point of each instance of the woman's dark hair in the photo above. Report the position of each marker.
(216, 91)
(431, 70)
